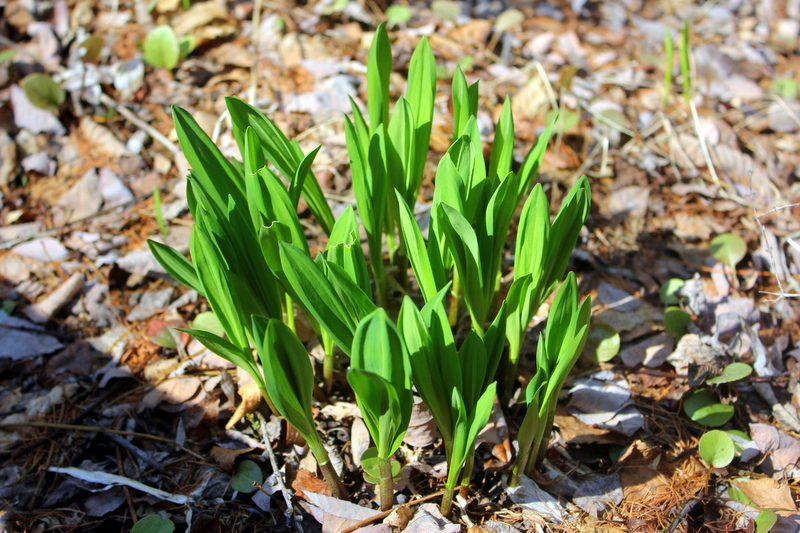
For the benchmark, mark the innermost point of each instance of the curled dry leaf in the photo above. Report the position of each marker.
(225, 457)
(251, 399)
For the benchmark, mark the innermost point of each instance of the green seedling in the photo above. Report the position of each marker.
(669, 58)
(159, 213)
(558, 350)
(456, 384)
(163, 49)
(732, 372)
(380, 375)
(153, 524)
(398, 15)
(43, 92)
(716, 448)
(728, 248)
(246, 477)
(685, 63)
(602, 343)
(289, 381)
(703, 407)
(676, 322)
(669, 293)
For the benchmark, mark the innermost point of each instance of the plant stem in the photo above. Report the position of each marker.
(386, 485)
(271, 405)
(509, 378)
(329, 473)
(447, 501)
(466, 473)
(289, 316)
(455, 297)
(327, 368)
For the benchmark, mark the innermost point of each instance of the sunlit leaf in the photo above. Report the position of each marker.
(161, 47)
(703, 407)
(732, 372)
(716, 448)
(728, 248)
(43, 92)
(245, 477)
(603, 343)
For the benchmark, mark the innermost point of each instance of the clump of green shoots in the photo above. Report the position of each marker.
(252, 262)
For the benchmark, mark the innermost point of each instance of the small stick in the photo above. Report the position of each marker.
(384, 514)
(139, 123)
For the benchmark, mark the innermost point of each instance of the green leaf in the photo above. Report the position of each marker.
(429, 274)
(317, 295)
(728, 248)
(562, 121)
(379, 68)
(288, 376)
(153, 524)
(676, 321)
(208, 321)
(380, 375)
(186, 46)
(161, 48)
(43, 92)
(732, 372)
(765, 521)
(602, 344)
(398, 14)
(703, 407)
(94, 47)
(175, 264)
(421, 92)
(508, 19)
(227, 350)
(503, 146)
(446, 9)
(716, 448)
(245, 477)
(370, 465)
(669, 291)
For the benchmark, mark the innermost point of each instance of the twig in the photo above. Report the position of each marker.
(93, 429)
(772, 253)
(139, 123)
(287, 495)
(703, 145)
(384, 514)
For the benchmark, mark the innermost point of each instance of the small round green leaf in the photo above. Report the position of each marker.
(669, 291)
(398, 14)
(703, 407)
(732, 372)
(161, 48)
(248, 473)
(208, 321)
(446, 9)
(765, 520)
(728, 248)
(716, 448)
(508, 19)
(153, 524)
(675, 321)
(602, 344)
(43, 92)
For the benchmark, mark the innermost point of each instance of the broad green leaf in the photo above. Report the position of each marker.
(93, 45)
(379, 67)
(565, 231)
(175, 264)
(676, 321)
(381, 379)
(465, 103)
(446, 9)
(288, 376)
(716, 448)
(765, 521)
(253, 156)
(503, 145)
(421, 92)
(703, 407)
(226, 350)
(208, 321)
(728, 248)
(732, 372)
(43, 92)
(286, 157)
(602, 344)
(314, 291)
(533, 236)
(398, 14)
(400, 148)
(216, 175)
(668, 294)
(186, 46)
(153, 524)
(519, 314)
(245, 477)
(354, 299)
(300, 175)
(161, 47)
(530, 166)
(429, 274)
(370, 465)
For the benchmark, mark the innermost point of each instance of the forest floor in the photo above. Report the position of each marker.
(87, 389)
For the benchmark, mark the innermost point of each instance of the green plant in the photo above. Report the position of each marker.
(716, 448)
(602, 343)
(159, 213)
(252, 262)
(43, 92)
(163, 49)
(246, 477)
(559, 347)
(686, 77)
(380, 375)
(704, 407)
(669, 58)
(153, 524)
(456, 384)
(728, 248)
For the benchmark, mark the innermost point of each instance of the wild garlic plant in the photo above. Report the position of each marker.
(251, 260)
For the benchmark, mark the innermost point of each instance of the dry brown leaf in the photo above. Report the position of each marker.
(251, 399)
(197, 16)
(767, 493)
(226, 457)
(306, 481)
(102, 139)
